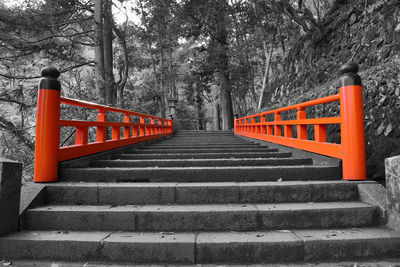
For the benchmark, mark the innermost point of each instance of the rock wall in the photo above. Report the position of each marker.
(370, 36)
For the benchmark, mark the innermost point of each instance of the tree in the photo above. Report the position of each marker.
(210, 19)
(159, 30)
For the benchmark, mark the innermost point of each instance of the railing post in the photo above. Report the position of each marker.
(352, 127)
(47, 127)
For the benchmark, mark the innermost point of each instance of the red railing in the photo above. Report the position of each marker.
(351, 121)
(48, 152)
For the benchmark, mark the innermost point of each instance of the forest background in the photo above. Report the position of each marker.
(200, 61)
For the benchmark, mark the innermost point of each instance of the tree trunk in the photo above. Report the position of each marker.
(162, 76)
(108, 54)
(198, 105)
(123, 66)
(226, 101)
(216, 115)
(266, 73)
(172, 94)
(99, 49)
(223, 72)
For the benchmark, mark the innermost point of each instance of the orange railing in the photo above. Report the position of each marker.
(351, 121)
(48, 152)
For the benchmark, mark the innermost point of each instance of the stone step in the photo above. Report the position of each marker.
(204, 131)
(191, 141)
(274, 154)
(205, 138)
(199, 162)
(177, 146)
(215, 217)
(298, 246)
(201, 133)
(197, 150)
(200, 193)
(202, 174)
(201, 143)
(340, 263)
(204, 134)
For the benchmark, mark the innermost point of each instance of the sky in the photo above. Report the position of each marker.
(124, 10)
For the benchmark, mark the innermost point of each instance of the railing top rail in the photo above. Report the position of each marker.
(299, 106)
(103, 108)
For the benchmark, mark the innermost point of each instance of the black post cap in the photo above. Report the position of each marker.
(49, 80)
(349, 74)
(50, 72)
(350, 67)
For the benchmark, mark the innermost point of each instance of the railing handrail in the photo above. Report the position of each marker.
(351, 150)
(48, 152)
(103, 108)
(299, 106)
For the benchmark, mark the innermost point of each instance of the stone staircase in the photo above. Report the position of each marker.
(201, 198)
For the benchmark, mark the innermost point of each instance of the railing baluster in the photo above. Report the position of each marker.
(81, 135)
(288, 131)
(270, 130)
(152, 129)
(147, 127)
(101, 133)
(127, 129)
(320, 132)
(169, 124)
(142, 131)
(116, 133)
(301, 129)
(263, 127)
(135, 131)
(278, 128)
